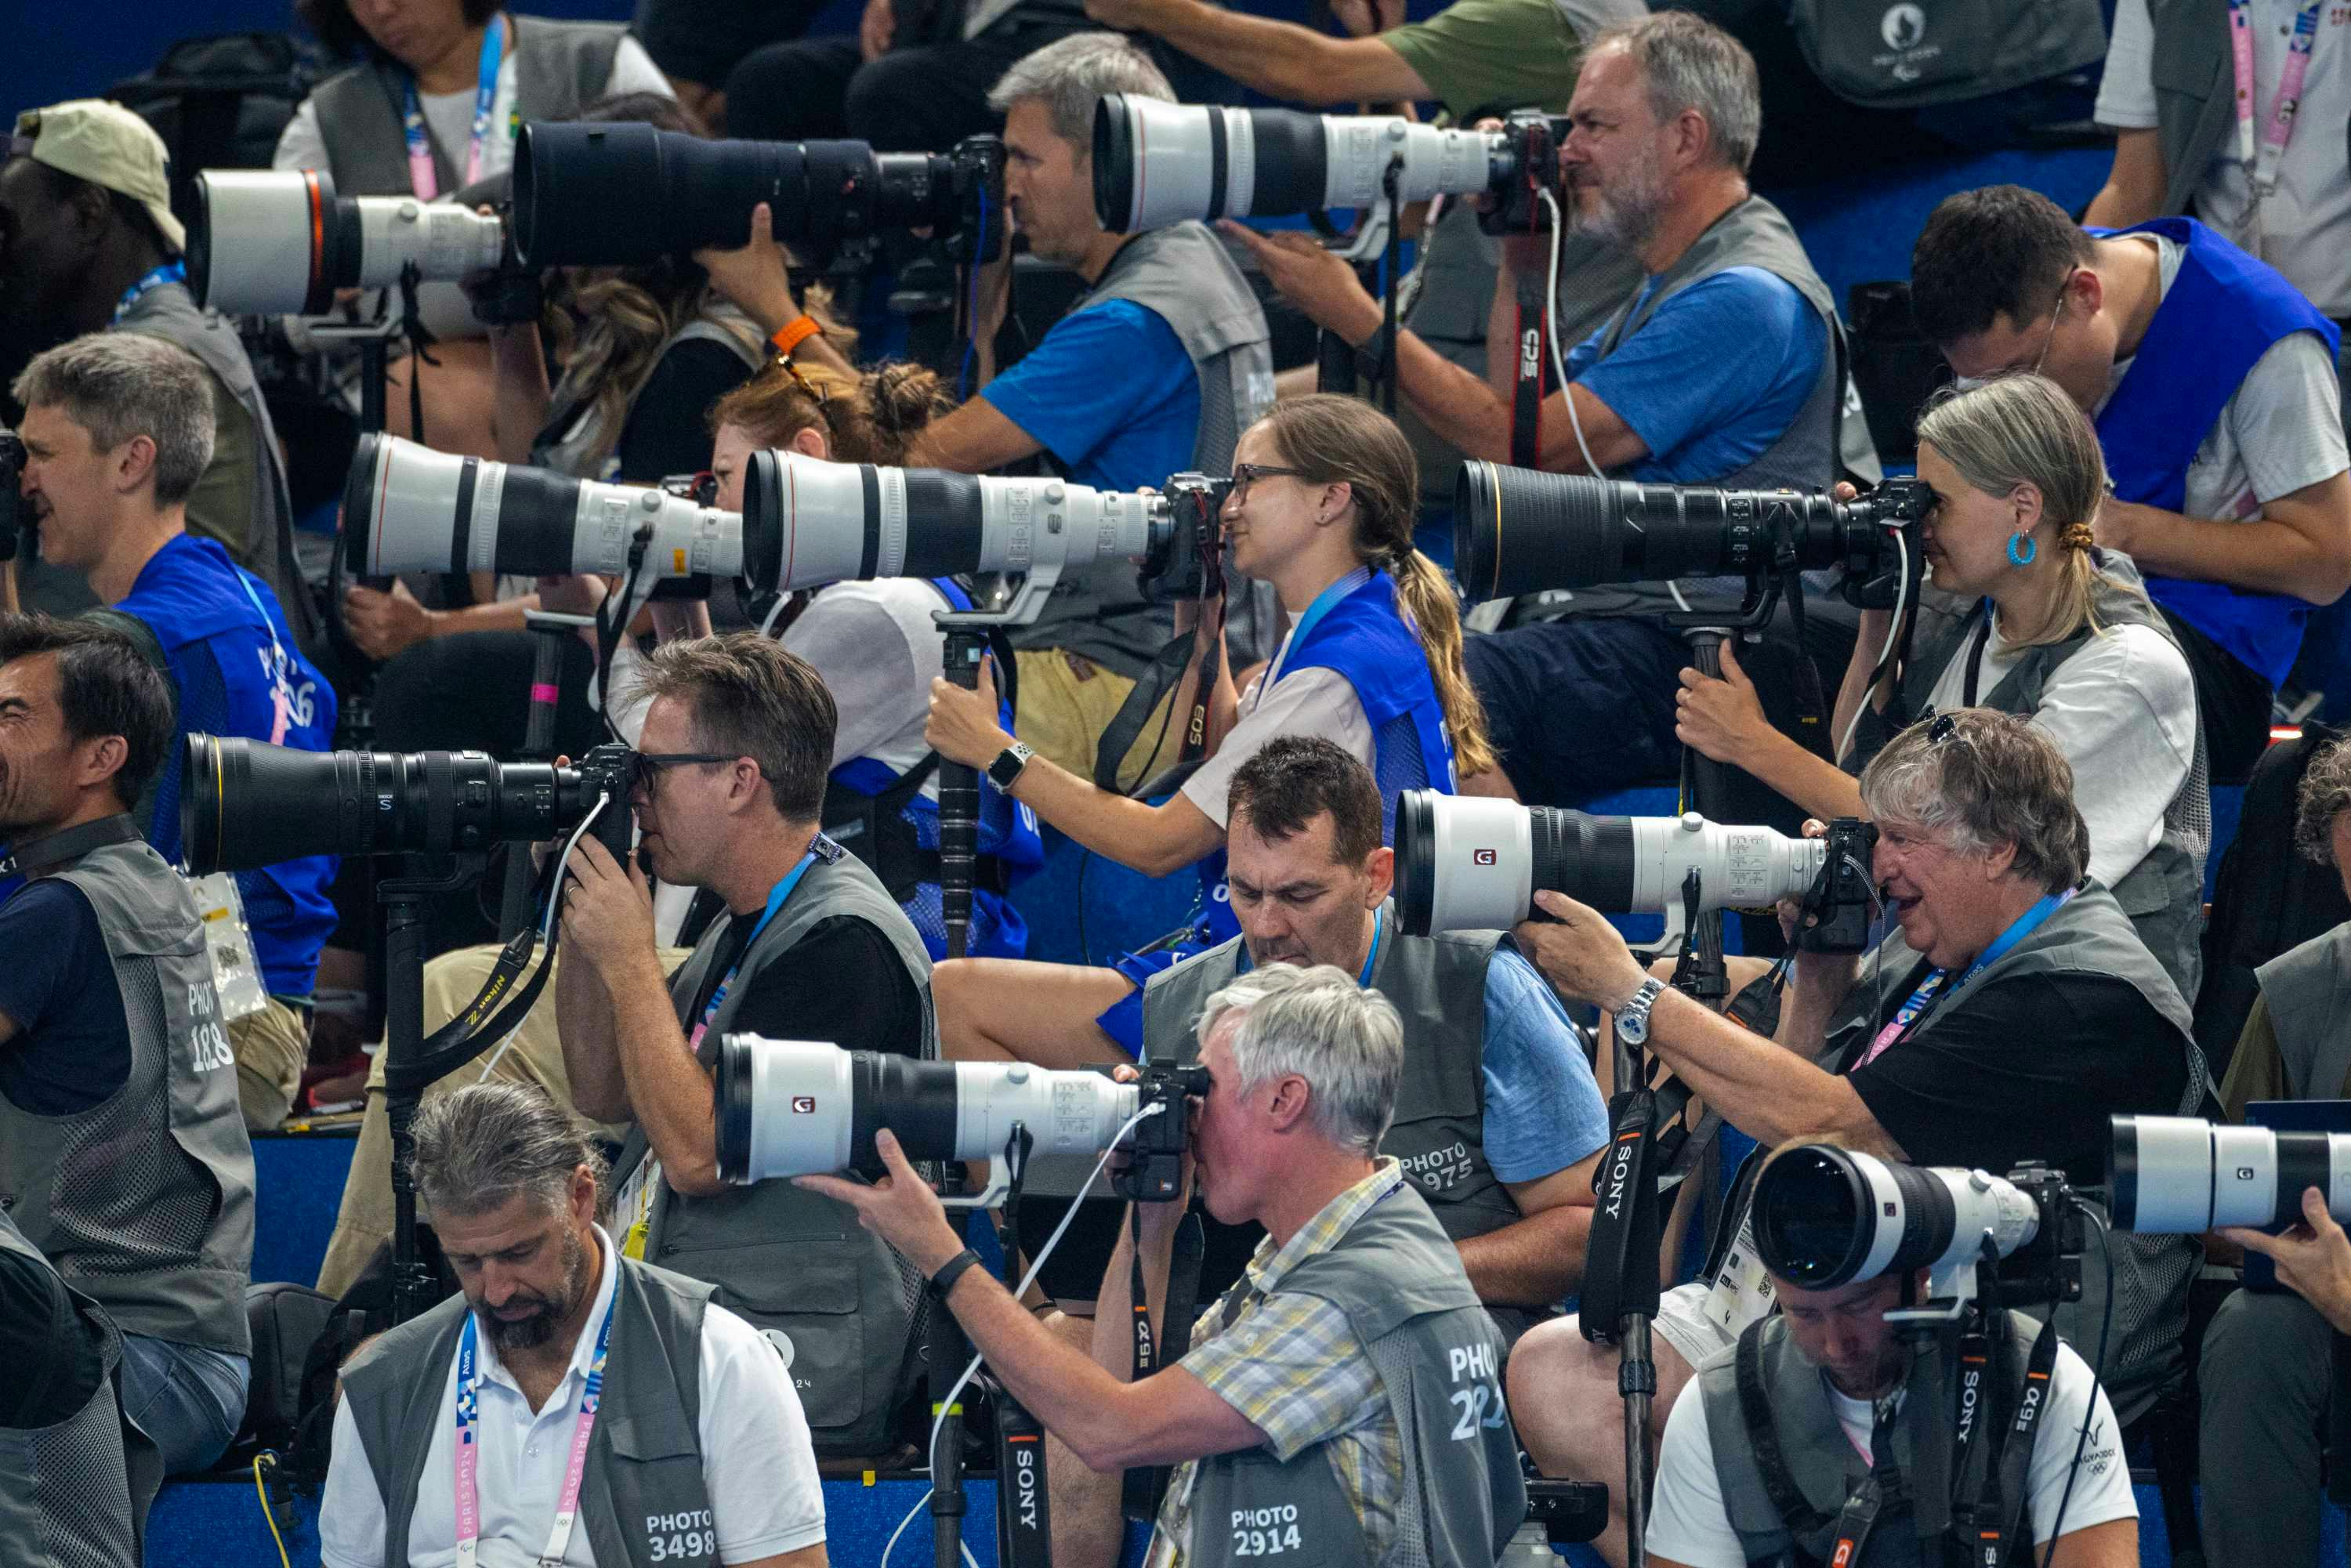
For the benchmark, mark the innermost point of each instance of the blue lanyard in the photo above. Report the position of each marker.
(2023, 927)
(421, 177)
(1315, 613)
(170, 272)
(776, 897)
(1371, 959)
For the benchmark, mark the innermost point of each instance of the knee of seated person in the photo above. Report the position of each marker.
(1552, 1376)
(2249, 1326)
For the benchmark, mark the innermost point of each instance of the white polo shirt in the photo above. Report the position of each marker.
(756, 1463)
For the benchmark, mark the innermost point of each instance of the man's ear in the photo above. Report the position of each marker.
(582, 1194)
(1291, 1098)
(132, 463)
(100, 759)
(1380, 870)
(2085, 291)
(1998, 860)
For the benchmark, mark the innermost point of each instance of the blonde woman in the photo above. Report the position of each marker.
(2061, 632)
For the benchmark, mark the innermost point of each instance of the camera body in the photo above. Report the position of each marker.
(1841, 900)
(2048, 1268)
(1154, 1169)
(611, 770)
(1191, 560)
(975, 174)
(1526, 164)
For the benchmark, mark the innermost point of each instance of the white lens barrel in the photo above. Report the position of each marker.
(802, 1119)
(1983, 1205)
(1738, 867)
(2175, 1177)
(1026, 524)
(260, 231)
(1482, 850)
(1064, 1113)
(444, 240)
(411, 509)
(821, 515)
(1173, 168)
(1357, 149)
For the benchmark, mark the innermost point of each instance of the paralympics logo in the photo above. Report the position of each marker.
(1903, 29)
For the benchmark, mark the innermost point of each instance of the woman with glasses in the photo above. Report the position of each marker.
(1321, 509)
(2056, 630)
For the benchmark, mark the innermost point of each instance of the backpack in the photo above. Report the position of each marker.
(1895, 368)
(220, 101)
(1905, 54)
(286, 1320)
(2267, 898)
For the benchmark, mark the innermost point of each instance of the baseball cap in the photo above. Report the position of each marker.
(107, 145)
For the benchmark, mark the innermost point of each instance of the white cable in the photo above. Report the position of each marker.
(767, 626)
(1892, 630)
(547, 921)
(969, 1371)
(1551, 330)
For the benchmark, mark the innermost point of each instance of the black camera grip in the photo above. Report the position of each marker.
(959, 803)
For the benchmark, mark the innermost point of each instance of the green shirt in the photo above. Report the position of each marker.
(221, 506)
(1493, 54)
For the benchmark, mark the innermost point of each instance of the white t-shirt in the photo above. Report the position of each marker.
(451, 117)
(756, 1463)
(878, 647)
(2303, 227)
(2123, 710)
(1688, 1524)
(1316, 701)
(2282, 430)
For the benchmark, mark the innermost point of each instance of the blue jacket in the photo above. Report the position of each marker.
(2223, 311)
(239, 673)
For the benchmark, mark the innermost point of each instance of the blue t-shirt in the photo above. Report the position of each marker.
(72, 1045)
(1714, 377)
(1111, 393)
(1544, 1109)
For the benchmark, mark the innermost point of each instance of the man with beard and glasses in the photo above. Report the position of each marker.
(122, 1158)
(705, 1455)
(1722, 369)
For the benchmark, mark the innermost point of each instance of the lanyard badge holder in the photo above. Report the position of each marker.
(228, 946)
(2264, 153)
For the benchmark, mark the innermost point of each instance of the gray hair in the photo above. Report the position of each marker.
(1343, 1039)
(1689, 63)
(1072, 75)
(121, 385)
(487, 1143)
(2324, 794)
(1983, 779)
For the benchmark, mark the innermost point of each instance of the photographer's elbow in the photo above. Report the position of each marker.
(696, 1177)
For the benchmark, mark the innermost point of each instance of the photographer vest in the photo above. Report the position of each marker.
(644, 1459)
(560, 67)
(579, 439)
(144, 1202)
(261, 537)
(2195, 93)
(76, 1491)
(789, 1262)
(1823, 1462)
(2163, 892)
(2223, 311)
(2308, 989)
(2088, 935)
(1399, 1283)
(1183, 274)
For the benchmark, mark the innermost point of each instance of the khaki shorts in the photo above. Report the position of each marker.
(1067, 701)
(273, 1047)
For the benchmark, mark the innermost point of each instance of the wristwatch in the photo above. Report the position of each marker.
(1633, 1018)
(1009, 763)
(1372, 359)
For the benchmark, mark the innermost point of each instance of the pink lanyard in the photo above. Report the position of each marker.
(469, 1454)
(2262, 162)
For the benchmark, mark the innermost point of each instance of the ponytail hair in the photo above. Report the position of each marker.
(1333, 440)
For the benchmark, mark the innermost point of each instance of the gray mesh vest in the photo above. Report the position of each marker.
(262, 540)
(1824, 1465)
(784, 1258)
(644, 1459)
(75, 1494)
(2195, 93)
(579, 445)
(2308, 989)
(1439, 1358)
(2163, 892)
(144, 1202)
(560, 67)
(1439, 985)
(2088, 935)
(1183, 274)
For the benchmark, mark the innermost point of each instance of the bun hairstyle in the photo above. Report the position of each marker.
(868, 418)
(1333, 440)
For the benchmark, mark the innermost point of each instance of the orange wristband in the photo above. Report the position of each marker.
(793, 336)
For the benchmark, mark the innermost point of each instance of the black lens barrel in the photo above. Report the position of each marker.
(1588, 858)
(916, 1100)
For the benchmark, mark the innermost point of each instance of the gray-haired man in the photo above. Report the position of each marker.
(468, 1425)
(1355, 1332)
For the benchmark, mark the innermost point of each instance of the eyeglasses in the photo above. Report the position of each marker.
(1248, 473)
(649, 765)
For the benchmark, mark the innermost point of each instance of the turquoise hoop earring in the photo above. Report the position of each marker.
(2021, 549)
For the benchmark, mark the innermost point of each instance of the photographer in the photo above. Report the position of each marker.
(1847, 1402)
(122, 1158)
(1156, 370)
(1321, 509)
(731, 767)
(2264, 1371)
(2013, 1012)
(118, 427)
(1355, 1331)
(1666, 117)
(2064, 637)
(2235, 501)
(571, 1335)
(91, 246)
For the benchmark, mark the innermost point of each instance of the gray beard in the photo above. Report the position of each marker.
(1631, 215)
(531, 1332)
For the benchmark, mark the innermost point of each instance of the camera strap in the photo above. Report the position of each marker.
(1788, 1500)
(1141, 1490)
(1986, 1530)
(69, 844)
(1535, 361)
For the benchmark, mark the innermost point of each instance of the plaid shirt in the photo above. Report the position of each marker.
(1292, 1364)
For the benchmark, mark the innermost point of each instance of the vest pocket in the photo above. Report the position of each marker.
(807, 1289)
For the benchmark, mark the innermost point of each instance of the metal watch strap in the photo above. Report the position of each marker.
(1637, 1011)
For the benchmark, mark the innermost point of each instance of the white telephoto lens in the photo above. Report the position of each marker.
(1482, 851)
(1738, 867)
(259, 234)
(412, 506)
(1028, 524)
(1175, 168)
(1984, 1206)
(802, 1109)
(1064, 1113)
(443, 240)
(1358, 149)
(2166, 1183)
